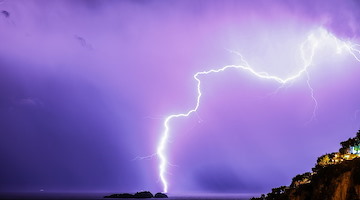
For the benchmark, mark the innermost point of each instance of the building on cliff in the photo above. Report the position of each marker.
(355, 149)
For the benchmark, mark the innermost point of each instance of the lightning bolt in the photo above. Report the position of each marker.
(307, 50)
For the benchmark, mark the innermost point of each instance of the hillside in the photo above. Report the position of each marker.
(336, 176)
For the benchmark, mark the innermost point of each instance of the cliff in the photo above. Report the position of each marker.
(336, 176)
(333, 182)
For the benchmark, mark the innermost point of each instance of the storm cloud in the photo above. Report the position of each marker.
(85, 87)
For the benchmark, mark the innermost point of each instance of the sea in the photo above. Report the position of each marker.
(100, 196)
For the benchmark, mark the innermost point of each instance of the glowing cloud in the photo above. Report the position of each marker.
(307, 49)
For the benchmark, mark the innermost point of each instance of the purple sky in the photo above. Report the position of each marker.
(85, 87)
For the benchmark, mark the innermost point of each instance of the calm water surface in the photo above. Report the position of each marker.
(99, 196)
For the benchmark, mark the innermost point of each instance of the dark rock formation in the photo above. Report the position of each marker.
(138, 195)
(144, 194)
(160, 195)
(336, 176)
(333, 182)
(122, 195)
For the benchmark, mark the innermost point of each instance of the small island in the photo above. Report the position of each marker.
(138, 195)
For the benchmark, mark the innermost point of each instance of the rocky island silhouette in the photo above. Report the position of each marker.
(138, 195)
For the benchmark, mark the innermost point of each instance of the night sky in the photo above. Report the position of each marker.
(85, 87)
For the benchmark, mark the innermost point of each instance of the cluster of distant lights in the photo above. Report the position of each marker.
(307, 49)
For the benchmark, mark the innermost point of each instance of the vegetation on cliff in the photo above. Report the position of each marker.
(336, 176)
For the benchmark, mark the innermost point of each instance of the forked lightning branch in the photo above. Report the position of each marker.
(307, 50)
